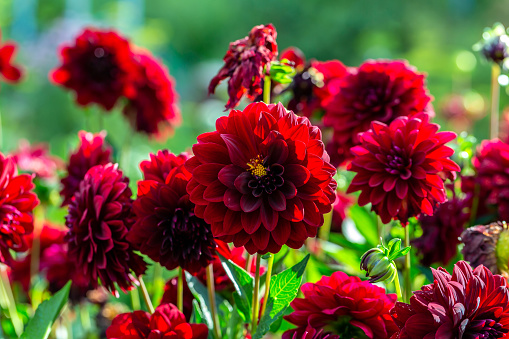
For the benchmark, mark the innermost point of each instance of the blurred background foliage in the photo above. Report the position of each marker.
(192, 36)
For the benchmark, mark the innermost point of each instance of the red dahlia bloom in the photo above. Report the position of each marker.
(341, 306)
(92, 151)
(295, 55)
(9, 72)
(36, 159)
(99, 67)
(400, 167)
(263, 179)
(466, 304)
(378, 90)
(166, 227)
(99, 218)
(244, 64)
(152, 106)
(16, 204)
(166, 322)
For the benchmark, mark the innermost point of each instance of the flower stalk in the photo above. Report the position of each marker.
(267, 284)
(9, 300)
(146, 297)
(266, 89)
(254, 315)
(408, 266)
(212, 301)
(180, 290)
(495, 101)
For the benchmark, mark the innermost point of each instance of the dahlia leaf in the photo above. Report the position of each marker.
(244, 284)
(365, 222)
(40, 325)
(197, 315)
(283, 289)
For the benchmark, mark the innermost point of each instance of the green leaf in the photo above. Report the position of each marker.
(234, 326)
(283, 289)
(365, 222)
(40, 325)
(244, 284)
(197, 315)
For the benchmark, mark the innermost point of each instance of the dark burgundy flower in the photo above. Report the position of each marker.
(8, 70)
(263, 179)
(166, 322)
(99, 218)
(339, 209)
(379, 90)
(152, 106)
(246, 63)
(36, 159)
(92, 151)
(401, 167)
(341, 306)
(441, 231)
(17, 202)
(466, 304)
(481, 243)
(98, 67)
(166, 227)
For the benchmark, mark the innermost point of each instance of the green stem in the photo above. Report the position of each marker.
(180, 290)
(135, 299)
(323, 234)
(11, 304)
(249, 262)
(212, 301)
(266, 89)
(146, 297)
(398, 288)
(495, 99)
(267, 284)
(408, 266)
(254, 316)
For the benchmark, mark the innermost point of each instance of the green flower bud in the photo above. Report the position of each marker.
(379, 262)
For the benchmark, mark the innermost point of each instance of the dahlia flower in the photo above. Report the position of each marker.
(246, 63)
(99, 217)
(98, 67)
(166, 227)
(17, 202)
(378, 90)
(36, 159)
(166, 322)
(262, 179)
(481, 243)
(8, 70)
(152, 106)
(466, 304)
(92, 151)
(401, 167)
(341, 306)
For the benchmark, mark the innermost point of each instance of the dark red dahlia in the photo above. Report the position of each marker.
(152, 106)
(341, 306)
(263, 179)
(466, 304)
(246, 63)
(166, 322)
(17, 202)
(379, 90)
(441, 231)
(166, 227)
(100, 215)
(98, 67)
(36, 159)
(401, 167)
(92, 151)
(9, 72)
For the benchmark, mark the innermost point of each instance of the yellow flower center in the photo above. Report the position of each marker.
(256, 167)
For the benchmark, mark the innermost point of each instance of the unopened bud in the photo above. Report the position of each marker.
(379, 262)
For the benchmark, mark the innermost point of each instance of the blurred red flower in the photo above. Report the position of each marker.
(401, 167)
(166, 322)
(92, 151)
(17, 202)
(35, 159)
(341, 306)
(339, 210)
(246, 63)
(379, 90)
(99, 217)
(98, 67)
(9, 71)
(466, 304)
(152, 105)
(262, 180)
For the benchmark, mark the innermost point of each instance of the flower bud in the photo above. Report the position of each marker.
(494, 45)
(377, 265)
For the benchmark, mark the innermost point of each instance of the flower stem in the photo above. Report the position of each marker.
(495, 98)
(249, 262)
(146, 297)
(180, 290)
(11, 304)
(398, 287)
(266, 89)
(267, 284)
(323, 234)
(408, 266)
(254, 316)
(135, 299)
(212, 300)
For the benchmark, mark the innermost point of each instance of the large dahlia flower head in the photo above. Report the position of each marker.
(262, 179)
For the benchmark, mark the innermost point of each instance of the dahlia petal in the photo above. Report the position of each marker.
(238, 154)
(297, 174)
(294, 210)
(278, 152)
(228, 174)
(232, 199)
(260, 239)
(251, 221)
(249, 203)
(277, 201)
(401, 189)
(390, 183)
(242, 182)
(214, 192)
(269, 216)
(211, 153)
(281, 233)
(207, 174)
